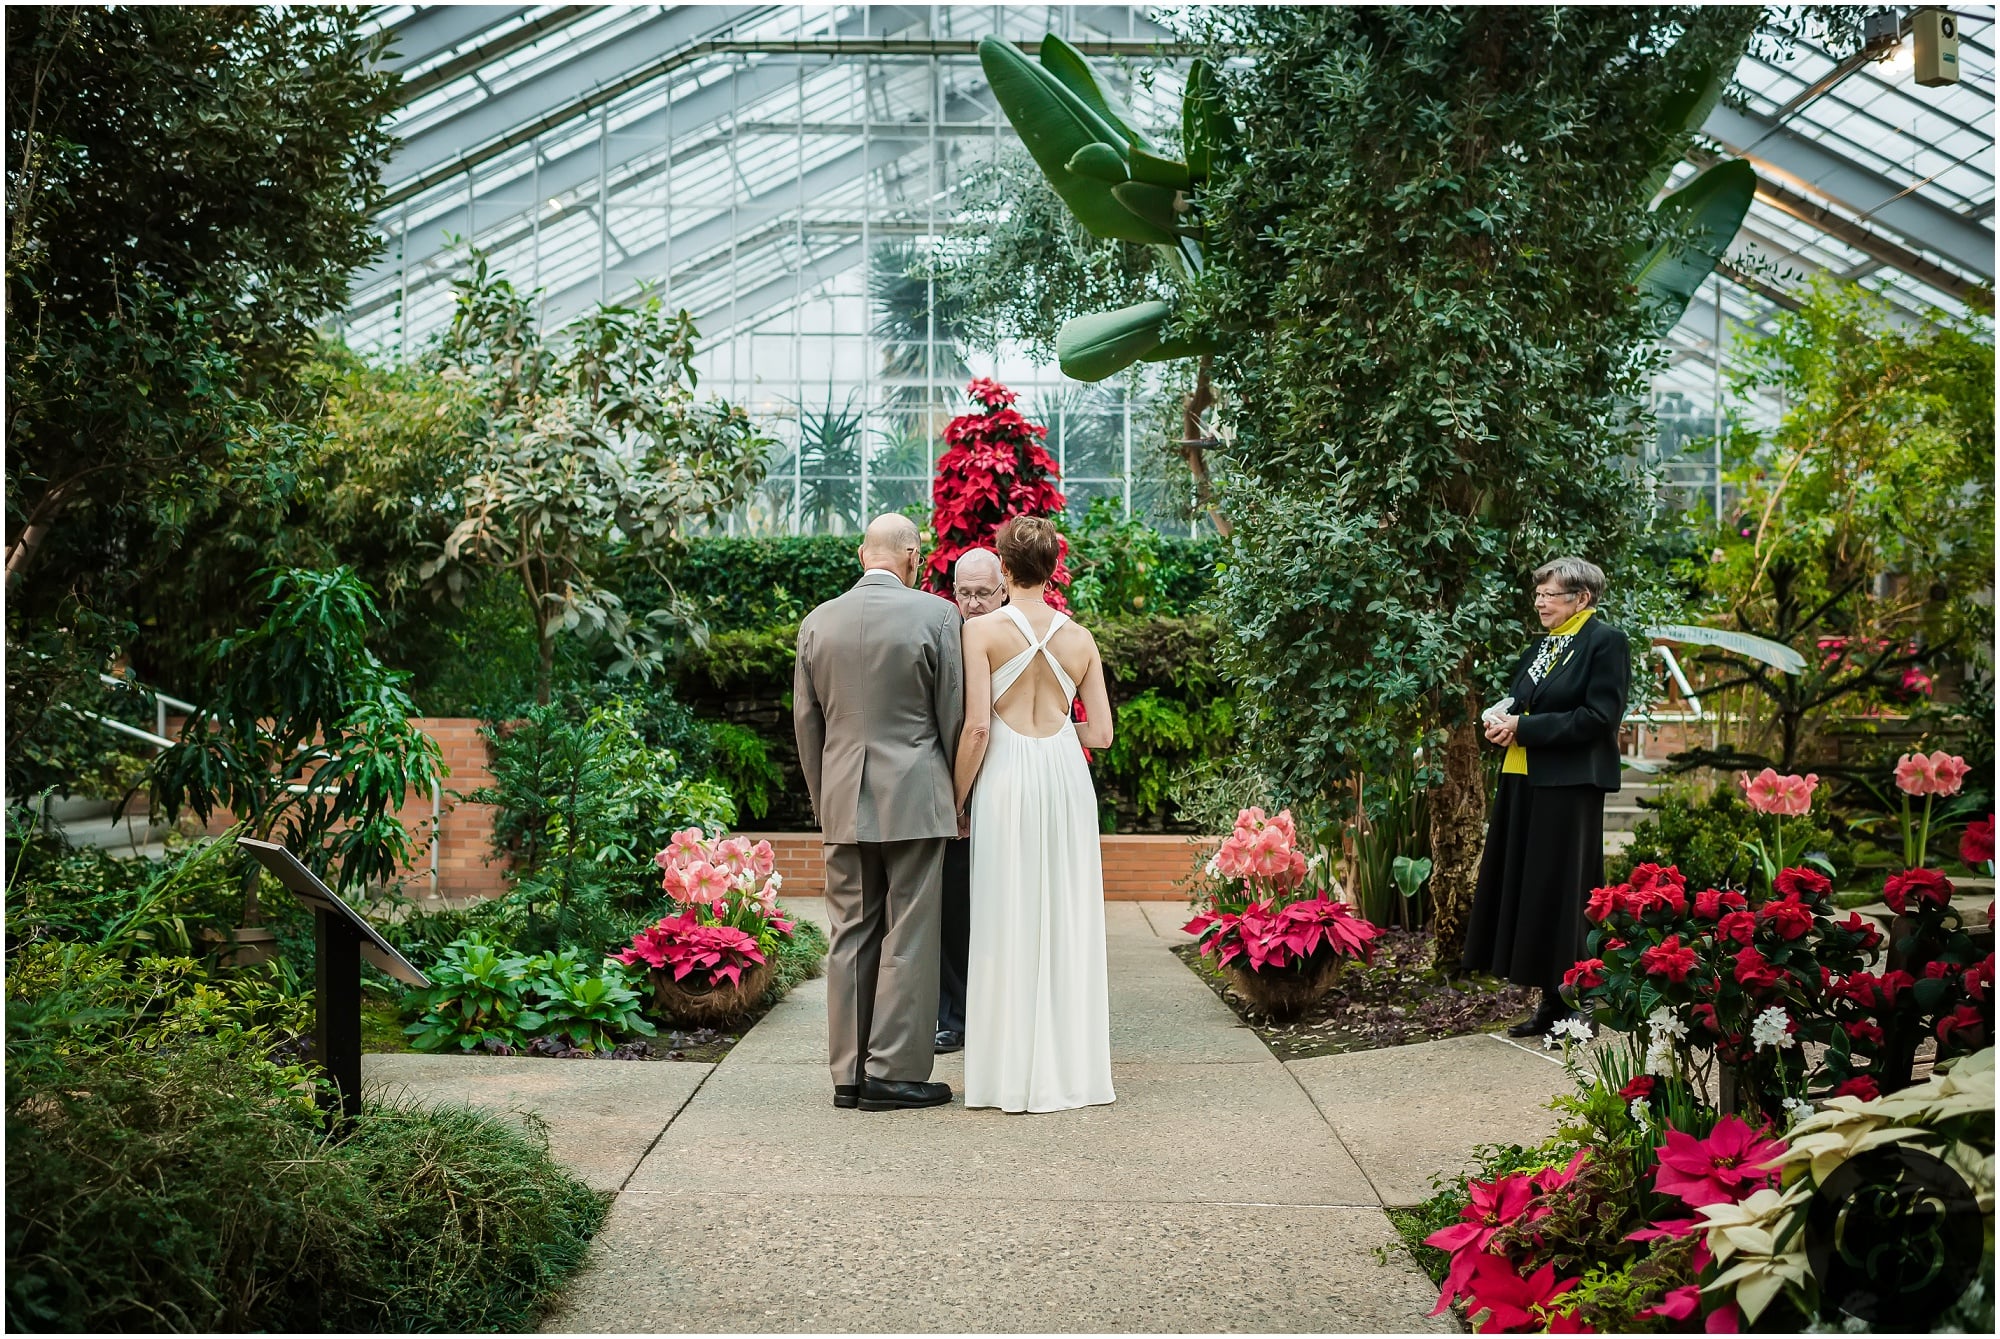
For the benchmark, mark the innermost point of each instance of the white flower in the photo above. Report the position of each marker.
(1213, 868)
(1660, 1057)
(1573, 1028)
(1664, 1022)
(775, 882)
(1638, 1113)
(1772, 1028)
(1797, 1109)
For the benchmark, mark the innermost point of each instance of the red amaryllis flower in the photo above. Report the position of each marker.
(1721, 1169)
(1587, 973)
(1788, 916)
(1604, 901)
(1961, 1026)
(1640, 1087)
(1808, 884)
(1861, 1086)
(1926, 885)
(1740, 926)
(1513, 1304)
(1976, 846)
(1752, 972)
(1490, 1206)
(1668, 959)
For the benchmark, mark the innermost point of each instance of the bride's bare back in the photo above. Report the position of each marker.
(1034, 705)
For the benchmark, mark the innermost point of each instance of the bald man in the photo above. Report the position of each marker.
(878, 697)
(978, 588)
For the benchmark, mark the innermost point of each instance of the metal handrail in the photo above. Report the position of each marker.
(161, 701)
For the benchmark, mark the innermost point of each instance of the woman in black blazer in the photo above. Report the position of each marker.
(1545, 842)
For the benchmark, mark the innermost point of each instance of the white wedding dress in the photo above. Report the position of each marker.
(1037, 1016)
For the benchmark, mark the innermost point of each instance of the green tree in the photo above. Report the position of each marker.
(581, 450)
(1433, 223)
(1864, 534)
(308, 731)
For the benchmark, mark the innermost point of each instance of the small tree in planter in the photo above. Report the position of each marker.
(711, 958)
(994, 467)
(1272, 925)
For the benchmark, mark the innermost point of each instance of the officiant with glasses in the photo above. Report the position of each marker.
(979, 588)
(1545, 839)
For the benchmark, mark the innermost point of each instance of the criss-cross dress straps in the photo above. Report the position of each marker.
(1004, 677)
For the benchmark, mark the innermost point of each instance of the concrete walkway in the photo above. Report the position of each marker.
(1223, 1191)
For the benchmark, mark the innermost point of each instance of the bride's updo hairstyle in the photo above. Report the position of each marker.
(1029, 549)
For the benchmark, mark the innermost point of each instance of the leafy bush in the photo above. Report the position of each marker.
(1705, 836)
(740, 584)
(184, 1191)
(479, 994)
(1126, 568)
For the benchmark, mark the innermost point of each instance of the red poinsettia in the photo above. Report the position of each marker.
(1269, 936)
(1721, 1169)
(1585, 974)
(994, 467)
(683, 945)
(1513, 1304)
(1922, 885)
(1976, 846)
(1490, 1206)
(1667, 958)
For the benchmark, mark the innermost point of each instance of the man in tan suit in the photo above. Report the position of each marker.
(878, 697)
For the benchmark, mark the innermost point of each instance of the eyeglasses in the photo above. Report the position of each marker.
(976, 592)
(1541, 595)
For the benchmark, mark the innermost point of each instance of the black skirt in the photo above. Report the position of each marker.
(1544, 853)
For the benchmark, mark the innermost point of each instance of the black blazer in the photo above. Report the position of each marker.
(1570, 720)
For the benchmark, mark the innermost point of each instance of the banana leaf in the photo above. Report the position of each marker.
(1206, 129)
(1099, 162)
(1685, 108)
(1154, 204)
(1092, 347)
(1068, 65)
(1775, 654)
(1054, 125)
(1168, 172)
(1702, 217)
(1187, 346)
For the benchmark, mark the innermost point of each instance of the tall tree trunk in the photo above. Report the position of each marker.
(1458, 826)
(1194, 443)
(545, 675)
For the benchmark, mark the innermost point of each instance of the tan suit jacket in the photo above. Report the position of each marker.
(878, 698)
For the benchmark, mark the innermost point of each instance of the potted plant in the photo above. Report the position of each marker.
(1273, 925)
(710, 959)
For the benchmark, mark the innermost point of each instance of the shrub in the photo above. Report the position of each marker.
(1705, 838)
(478, 994)
(184, 1191)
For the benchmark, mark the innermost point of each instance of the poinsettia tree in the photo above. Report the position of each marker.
(994, 467)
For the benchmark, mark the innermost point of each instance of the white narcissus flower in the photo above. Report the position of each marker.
(776, 881)
(1660, 1057)
(1637, 1111)
(1772, 1028)
(1748, 1233)
(1797, 1109)
(1576, 1029)
(1664, 1022)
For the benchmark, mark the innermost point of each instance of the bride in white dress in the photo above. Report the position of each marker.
(1037, 1017)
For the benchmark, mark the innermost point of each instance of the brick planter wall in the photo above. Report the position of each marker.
(1136, 868)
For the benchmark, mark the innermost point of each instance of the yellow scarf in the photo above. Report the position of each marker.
(1516, 762)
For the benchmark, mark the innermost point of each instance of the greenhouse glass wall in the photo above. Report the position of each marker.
(785, 173)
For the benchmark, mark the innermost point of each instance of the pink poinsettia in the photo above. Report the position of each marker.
(1513, 1304)
(685, 947)
(1721, 1169)
(1268, 936)
(1770, 792)
(1490, 1206)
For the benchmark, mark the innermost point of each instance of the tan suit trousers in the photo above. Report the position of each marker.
(885, 901)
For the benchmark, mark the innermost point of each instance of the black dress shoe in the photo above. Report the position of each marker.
(895, 1095)
(947, 1042)
(846, 1094)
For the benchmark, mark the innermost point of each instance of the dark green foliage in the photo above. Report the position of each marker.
(1704, 837)
(301, 699)
(188, 189)
(1127, 569)
(480, 994)
(584, 803)
(743, 763)
(1433, 215)
(799, 958)
(183, 1191)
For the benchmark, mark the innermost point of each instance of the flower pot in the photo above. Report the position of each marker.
(695, 1003)
(1285, 992)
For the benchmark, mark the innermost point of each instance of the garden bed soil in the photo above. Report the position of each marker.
(1394, 1001)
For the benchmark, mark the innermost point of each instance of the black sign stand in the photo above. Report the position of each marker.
(341, 939)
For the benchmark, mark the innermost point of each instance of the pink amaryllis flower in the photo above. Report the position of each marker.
(1490, 1206)
(1721, 1169)
(1770, 792)
(1939, 773)
(706, 882)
